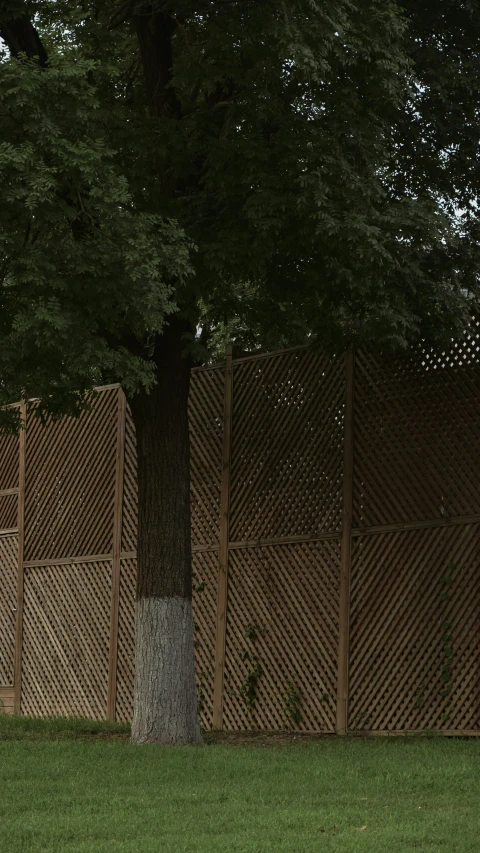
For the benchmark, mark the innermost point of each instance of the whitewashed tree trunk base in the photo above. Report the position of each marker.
(165, 707)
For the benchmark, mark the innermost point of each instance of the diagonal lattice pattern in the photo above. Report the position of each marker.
(400, 608)
(130, 496)
(289, 596)
(70, 483)
(126, 640)
(66, 633)
(8, 605)
(206, 436)
(8, 512)
(417, 455)
(205, 570)
(287, 451)
(416, 459)
(9, 461)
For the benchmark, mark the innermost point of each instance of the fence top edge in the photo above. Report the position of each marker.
(96, 389)
(217, 365)
(259, 355)
(250, 357)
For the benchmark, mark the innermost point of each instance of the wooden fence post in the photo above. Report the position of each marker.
(17, 700)
(221, 625)
(346, 549)
(117, 547)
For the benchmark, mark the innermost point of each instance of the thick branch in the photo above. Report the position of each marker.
(20, 36)
(128, 342)
(120, 15)
(154, 34)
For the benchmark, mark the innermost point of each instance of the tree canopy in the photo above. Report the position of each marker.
(176, 175)
(275, 172)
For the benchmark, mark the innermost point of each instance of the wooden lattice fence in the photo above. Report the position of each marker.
(335, 532)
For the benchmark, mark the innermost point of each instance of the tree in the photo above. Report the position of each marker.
(267, 172)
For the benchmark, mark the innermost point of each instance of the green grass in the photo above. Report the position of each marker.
(60, 728)
(79, 786)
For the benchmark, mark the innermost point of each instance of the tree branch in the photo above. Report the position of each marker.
(154, 33)
(20, 36)
(120, 15)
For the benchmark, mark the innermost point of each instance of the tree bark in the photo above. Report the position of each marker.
(20, 36)
(165, 702)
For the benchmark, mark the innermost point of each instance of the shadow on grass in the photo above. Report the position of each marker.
(20, 728)
(60, 728)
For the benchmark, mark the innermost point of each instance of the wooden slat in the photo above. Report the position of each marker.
(222, 584)
(196, 549)
(283, 540)
(259, 543)
(346, 549)
(255, 356)
(356, 531)
(7, 702)
(415, 732)
(98, 389)
(21, 542)
(6, 693)
(112, 387)
(117, 545)
(205, 368)
(67, 561)
(416, 525)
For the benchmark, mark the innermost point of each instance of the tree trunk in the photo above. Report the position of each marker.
(165, 700)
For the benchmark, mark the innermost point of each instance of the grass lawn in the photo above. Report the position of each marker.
(76, 786)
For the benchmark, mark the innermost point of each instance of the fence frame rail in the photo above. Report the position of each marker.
(223, 550)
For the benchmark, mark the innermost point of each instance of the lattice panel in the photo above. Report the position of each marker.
(398, 616)
(130, 492)
(291, 593)
(8, 512)
(417, 454)
(205, 568)
(126, 640)
(206, 438)
(70, 483)
(8, 605)
(66, 630)
(9, 461)
(287, 446)
(205, 572)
